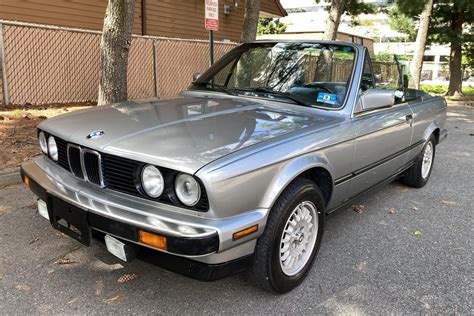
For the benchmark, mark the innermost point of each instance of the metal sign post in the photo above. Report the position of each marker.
(211, 47)
(211, 23)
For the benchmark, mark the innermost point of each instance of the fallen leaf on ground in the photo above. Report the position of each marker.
(417, 233)
(99, 286)
(64, 261)
(414, 208)
(358, 208)
(28, 116)
(448, 202)
(23, 287)
(114, 299)
(404, 189)
(42, 117)
(392, 210)
(35, 239)
(127, 277)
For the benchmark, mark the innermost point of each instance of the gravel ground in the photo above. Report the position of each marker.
(369, 263)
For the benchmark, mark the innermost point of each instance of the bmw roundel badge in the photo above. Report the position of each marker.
(95, 134)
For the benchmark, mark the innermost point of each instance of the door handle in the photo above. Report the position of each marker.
(409, 119)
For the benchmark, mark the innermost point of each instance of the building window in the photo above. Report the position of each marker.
(444, 59)
(428, 58)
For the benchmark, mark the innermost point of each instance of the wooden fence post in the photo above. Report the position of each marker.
(3, 70)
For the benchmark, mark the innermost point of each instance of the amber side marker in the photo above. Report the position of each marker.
(245, 232)
(26, 180)
(153, 240)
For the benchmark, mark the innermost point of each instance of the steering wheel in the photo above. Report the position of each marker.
(321, 86)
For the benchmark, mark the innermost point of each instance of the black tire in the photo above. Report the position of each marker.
(413, 177)
(266, 271)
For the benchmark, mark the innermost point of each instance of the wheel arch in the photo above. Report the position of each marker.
(432, 129)
(315, 168)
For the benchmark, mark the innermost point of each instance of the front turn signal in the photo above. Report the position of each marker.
(26, 180)
(245, 232)
(153, 240)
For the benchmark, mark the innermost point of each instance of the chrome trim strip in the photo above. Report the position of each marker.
(86, 177)
(376, 164)
(69, 145)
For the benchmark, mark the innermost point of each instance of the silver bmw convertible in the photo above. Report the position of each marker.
(238, 172)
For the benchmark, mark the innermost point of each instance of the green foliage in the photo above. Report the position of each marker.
(388, 57)
(355, 7)
(411, 8)
(439, 89)
(384, 57)
(366, 22)
(400, 22)
(440, 30)
(270, 26)
(468, 51)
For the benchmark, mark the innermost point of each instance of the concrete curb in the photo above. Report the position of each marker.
(10, 176)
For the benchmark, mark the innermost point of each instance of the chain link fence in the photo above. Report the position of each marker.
(47, 64)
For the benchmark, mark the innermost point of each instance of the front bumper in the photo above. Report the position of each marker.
(189, 234)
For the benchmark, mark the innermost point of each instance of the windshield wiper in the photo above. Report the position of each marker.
(214, 86)
(286, 95)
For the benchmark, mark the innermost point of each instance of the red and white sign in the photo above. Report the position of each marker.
(211, 15)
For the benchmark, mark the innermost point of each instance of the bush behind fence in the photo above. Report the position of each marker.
(46, 64)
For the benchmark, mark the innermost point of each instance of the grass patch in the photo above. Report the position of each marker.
(439, 89)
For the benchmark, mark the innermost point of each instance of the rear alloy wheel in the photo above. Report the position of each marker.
(418, 174)
(286, 250)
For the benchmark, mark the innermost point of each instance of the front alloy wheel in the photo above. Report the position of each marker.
(299, 238)
(287, 248)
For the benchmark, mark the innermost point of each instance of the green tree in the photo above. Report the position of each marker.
(338, 8)
(270, 26)
(453, 22)
(402, 23)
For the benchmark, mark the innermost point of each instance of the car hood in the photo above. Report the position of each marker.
(182, 134)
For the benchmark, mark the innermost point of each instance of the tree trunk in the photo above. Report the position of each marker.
(249, 29)
(323, 66)
(420, 45)
(114, 46)
(332, 23)
(455, 58)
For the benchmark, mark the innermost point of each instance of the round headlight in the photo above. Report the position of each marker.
(52, 148)
(187, 189)
(152, 181)
(43, 143)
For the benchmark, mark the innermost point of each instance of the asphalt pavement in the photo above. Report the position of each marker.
(409, 251)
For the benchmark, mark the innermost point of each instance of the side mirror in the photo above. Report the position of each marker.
(196, 76)
(373, 99)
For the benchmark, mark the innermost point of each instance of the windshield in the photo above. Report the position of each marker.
(308, 74)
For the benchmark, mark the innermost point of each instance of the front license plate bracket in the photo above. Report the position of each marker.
(69, 219)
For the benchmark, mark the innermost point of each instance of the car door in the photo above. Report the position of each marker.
(382, 137)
